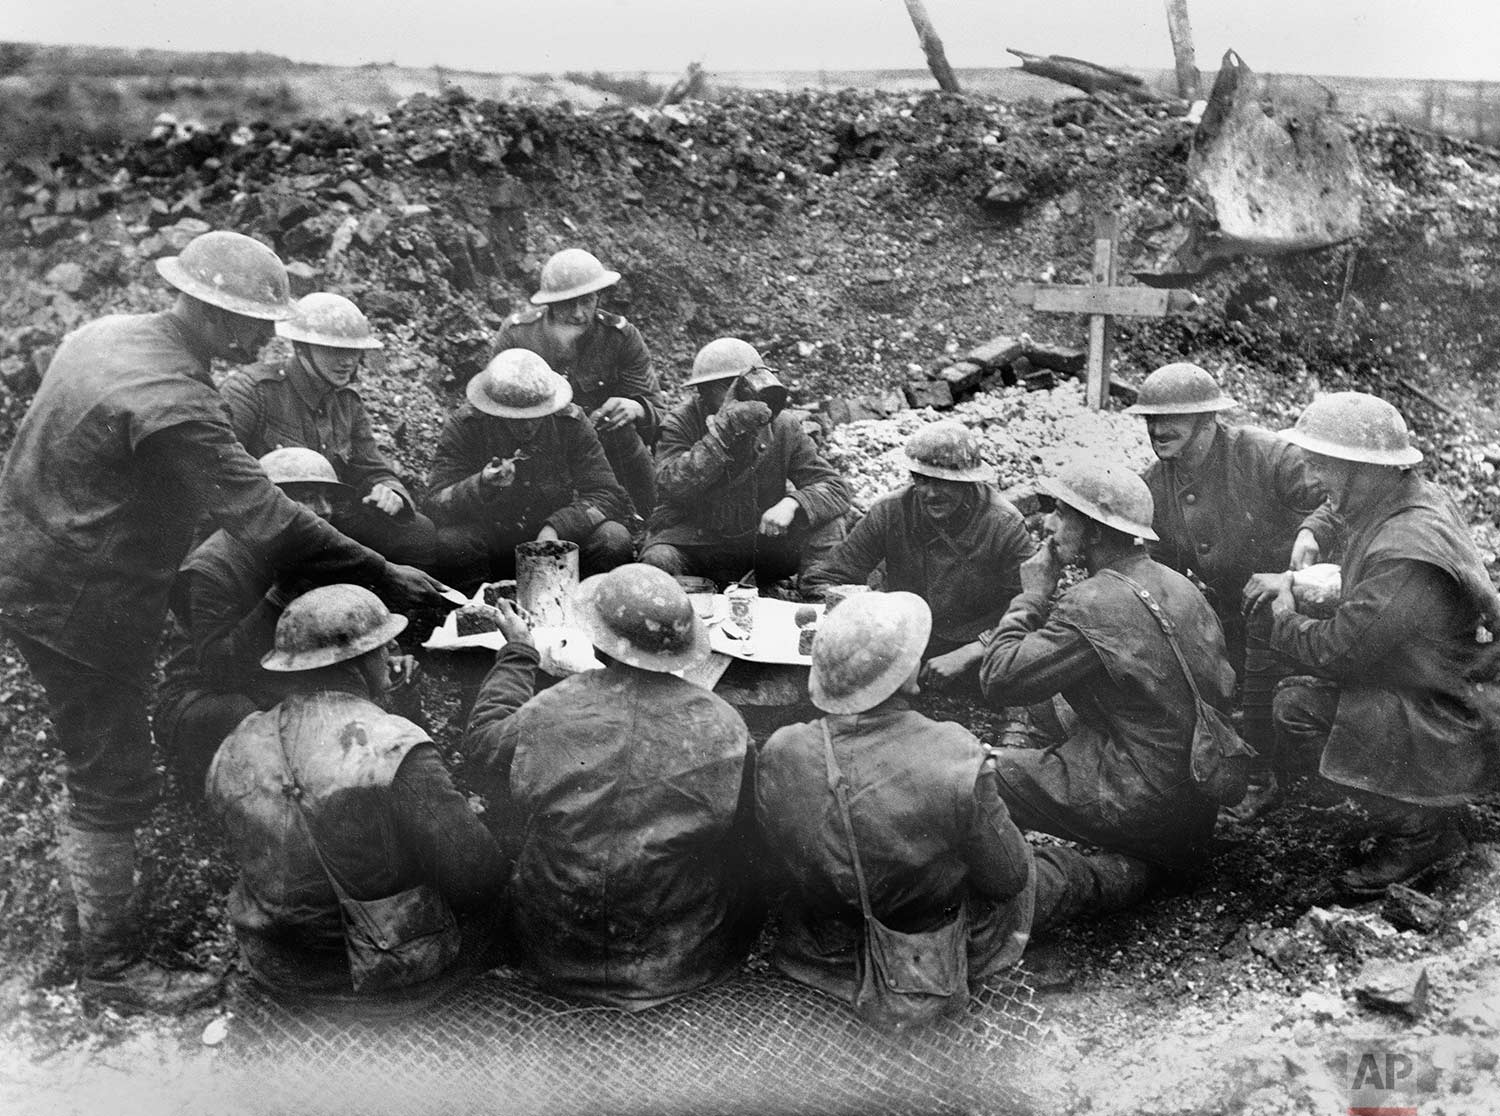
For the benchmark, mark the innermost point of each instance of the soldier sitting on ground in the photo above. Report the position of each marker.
(225, 604)
(605, 361)
(624, 794)
(948, 536)
(1115, 772)
(740, 488)
(934, 835)
(1392, 712)
(310, 400)
(517, 463)
(332, 805)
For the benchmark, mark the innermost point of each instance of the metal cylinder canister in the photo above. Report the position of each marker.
(546, 576)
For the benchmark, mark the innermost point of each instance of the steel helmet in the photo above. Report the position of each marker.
(324, 318)
(947, 450)
(518, 383)
(1107, 494)
(573, 273)
(297, 465)
(1180, 389)
(724, 359)
(331, 624)
(639, 615)
(866, 648)
(233, 272)
(1353, 426)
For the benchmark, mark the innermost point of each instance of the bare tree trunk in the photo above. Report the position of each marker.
(1182, 50)
(932, 46)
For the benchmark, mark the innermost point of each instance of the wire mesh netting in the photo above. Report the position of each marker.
(757, 1043)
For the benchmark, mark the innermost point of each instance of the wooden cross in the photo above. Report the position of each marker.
(1102, 301)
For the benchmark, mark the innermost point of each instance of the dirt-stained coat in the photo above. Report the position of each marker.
(383, 810)
(1120, 780)
(967, 570)
(623, 793)
(1409, 723)
(563, 481)
(932, 833)
(710, 493)
(288, 404)
(124, 447)
(1237, 513)
(610, 359)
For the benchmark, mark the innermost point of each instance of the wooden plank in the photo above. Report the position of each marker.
(1101, 329)
(1141, 302)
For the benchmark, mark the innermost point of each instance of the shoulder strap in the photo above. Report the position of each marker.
(294, 792)
(841, 792)
(1167, 627)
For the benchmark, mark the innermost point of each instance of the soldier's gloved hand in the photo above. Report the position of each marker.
(738, 418)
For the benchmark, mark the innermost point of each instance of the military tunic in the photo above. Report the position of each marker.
(933, 836)
(966, 569)
(1409, 725)
(1121, 779)
(623, 793)
(124, 448)
(609, 359)
(713, 495)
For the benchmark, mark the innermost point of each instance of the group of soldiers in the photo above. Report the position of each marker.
(633, 832)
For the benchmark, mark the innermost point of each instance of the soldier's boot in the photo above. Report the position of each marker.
(1425, 841)
(116, 973)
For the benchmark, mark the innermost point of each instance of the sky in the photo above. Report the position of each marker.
(1456, 39)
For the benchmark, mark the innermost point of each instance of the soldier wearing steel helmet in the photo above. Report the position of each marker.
(933, 831)
(741, 485)
(326, 796)
(310, 400)
(1231, 501)
(1390, 709)
(225, 603)
(122, 452)
(604, 358)
(625, 795)
(948, 536)
(517, 463)
(1116, 774)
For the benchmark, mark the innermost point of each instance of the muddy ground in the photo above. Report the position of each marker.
(849, 236)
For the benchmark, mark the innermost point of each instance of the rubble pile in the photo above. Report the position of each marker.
(1025, 435)
(865, 242)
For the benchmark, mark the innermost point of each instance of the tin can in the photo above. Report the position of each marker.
(742, 607)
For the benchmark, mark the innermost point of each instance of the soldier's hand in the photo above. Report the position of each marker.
(942, 671)
(384, 498)
(616, 412)
(1040, 572)
(499, 472)
(408, 588)
(513, 622)
(1305, 550)
(548, 533)
(1284, 601)
(1264, 587)
(739, 417)
(403, 670)
(776, 519)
